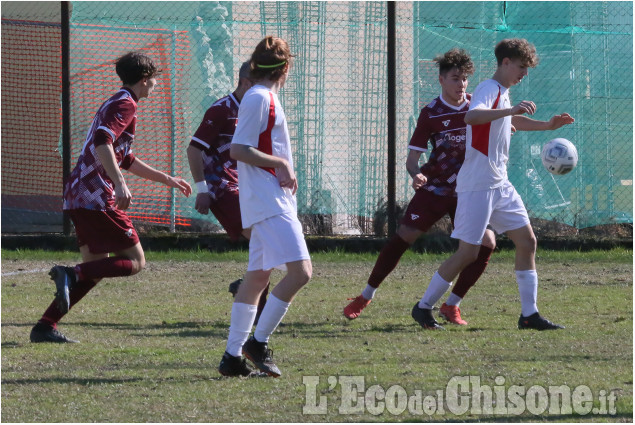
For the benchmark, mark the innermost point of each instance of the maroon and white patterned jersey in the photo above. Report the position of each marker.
(214, 137)
(442, 125)
(88, 185)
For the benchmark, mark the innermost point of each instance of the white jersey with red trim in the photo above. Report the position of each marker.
(487, 145)
(262, 125)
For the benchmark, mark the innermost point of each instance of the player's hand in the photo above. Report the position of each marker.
(418, 181)
(558, 121)
(513, 129)
(203, 201)
(524, 107)
(286, 178)
(123, 197)
(180, 184)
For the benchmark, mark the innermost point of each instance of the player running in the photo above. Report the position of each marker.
(268, 207)
(96, 195)
(485, 195)
(440, 123)
(214, 170)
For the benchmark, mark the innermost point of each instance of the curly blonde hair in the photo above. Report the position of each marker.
(455, 58)
(516, 48)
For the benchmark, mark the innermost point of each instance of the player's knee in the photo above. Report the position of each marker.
(303, 274)
(528, 244)
(489, 240)
(138, 264)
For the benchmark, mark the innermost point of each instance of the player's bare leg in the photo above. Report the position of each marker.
(450, 309)
(527, 279)
(256, 348)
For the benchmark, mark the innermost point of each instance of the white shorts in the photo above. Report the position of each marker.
(276, 241)
(501, 208)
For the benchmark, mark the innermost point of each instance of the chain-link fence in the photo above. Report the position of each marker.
(335, 98)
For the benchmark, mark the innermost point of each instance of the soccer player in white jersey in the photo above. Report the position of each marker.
(485, 195)
(267, 186)
(96, 197)
(441, 124)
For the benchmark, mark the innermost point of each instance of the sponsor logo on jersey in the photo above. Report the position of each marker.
(446, 122)
(129, 233)
(456, 137)
(414, 216)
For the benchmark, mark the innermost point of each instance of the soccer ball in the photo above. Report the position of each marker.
(559, 156)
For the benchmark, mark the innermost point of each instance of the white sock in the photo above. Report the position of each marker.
(435, 291)
(369, 292)
(242, 319)
(270, 318)
(454, 299)
(528, 289)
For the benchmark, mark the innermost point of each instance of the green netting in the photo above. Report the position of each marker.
(336, 96)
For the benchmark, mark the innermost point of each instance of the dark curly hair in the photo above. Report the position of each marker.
(516, 48)
(133, 66)
(455, 58)
(270, 58)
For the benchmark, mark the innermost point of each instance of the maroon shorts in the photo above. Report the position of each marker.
(426, 208)
(103, 231)
(226, 209)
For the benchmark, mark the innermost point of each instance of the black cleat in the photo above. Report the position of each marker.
(47, 333)
(233, 287)
(235, 366)
(423, 316)
(64, 278)
(536, 321)
(261, 356)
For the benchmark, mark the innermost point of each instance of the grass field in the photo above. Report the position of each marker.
(151, 343)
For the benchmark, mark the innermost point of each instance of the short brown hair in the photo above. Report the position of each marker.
(455, 58)
(133, 66)
(516, 48)
(269, 59)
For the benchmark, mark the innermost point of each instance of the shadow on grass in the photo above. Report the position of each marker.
(620, 417)
(101, 381)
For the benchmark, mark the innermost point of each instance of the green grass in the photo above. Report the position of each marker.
(151, 343)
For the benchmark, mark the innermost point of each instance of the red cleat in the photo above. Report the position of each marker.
(452, 314)
(354, 309)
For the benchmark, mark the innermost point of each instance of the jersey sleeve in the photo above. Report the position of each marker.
(252, 120)
(421, 135)
(116, 119)
(127, 161)
(206, 135)
(484, 96)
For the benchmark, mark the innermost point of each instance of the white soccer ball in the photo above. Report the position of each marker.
(559, 156)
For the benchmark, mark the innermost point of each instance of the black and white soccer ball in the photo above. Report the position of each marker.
(559, 156)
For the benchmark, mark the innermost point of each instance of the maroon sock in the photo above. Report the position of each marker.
(52, 315)
(106, 267)
(388, 259)
(471, 273)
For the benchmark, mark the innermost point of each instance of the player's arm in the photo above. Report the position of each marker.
(252, 156)
(412, 166)
(195, 159)
(143, 170)
(523, 123)
(484, 115)
(106, 155)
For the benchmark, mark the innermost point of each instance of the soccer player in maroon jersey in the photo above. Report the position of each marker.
(215, 171)
(96, 195)
(440, 123)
